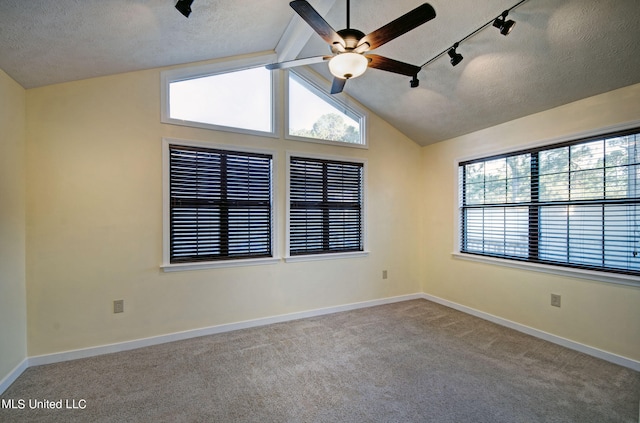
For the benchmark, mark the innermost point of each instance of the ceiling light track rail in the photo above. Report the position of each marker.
(505, 26)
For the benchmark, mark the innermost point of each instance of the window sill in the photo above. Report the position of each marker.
(211, 126)
(555, 270)
(217, 264)
(330, 256)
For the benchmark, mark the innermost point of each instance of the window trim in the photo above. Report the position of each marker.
(166, 264)
(217, 68)
(321, 88)
(601, 276)
(596, 275)
(326, 256)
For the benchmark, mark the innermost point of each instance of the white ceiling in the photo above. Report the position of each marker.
(559, 51)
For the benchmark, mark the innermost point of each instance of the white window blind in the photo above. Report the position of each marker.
(574, 204)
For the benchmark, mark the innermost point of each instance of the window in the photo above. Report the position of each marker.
(233, 96)
(575, 204)
(313, 115)
(219, 204)
(326, 206)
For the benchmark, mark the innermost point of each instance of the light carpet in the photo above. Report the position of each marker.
(413, 361)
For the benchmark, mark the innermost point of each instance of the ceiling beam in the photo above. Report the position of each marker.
(298, 32)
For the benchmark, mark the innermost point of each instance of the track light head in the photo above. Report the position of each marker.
(184, 7)
(455, 56)
(502, 24)
(415, 82)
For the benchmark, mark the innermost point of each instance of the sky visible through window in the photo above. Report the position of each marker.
(243, 99)
(240, 99)
(305, 108)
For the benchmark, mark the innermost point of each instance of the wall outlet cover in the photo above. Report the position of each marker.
(118, 306)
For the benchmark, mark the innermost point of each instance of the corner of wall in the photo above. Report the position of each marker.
(13, 313)
(599, 313)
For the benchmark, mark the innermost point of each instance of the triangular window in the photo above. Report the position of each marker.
(314, 115)
(233, 96)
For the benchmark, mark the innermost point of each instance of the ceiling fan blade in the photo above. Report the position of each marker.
(396, 28)
(390, 65)
(338, 85)
(317, 22)
(298, 62)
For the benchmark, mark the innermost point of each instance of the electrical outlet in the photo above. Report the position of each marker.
(118, 306)
(555, 300)
(384, 274)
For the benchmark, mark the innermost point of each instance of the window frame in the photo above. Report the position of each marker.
(364, 215)
(597, 275)
(166, 265)
(321, 87)
(227, 66)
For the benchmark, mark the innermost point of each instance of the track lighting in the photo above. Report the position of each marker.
(184, 7)
(503, 25)
(455, 56)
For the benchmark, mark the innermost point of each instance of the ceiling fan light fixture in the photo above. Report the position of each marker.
(454, 55)
(348, 65)
(505, 26)
(184, 7)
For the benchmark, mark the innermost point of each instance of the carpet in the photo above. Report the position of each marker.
(413, 361)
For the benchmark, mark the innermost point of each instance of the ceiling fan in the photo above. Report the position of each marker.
(349, 45)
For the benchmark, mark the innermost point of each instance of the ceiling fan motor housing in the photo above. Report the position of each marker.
(350, 45)
(351, 38)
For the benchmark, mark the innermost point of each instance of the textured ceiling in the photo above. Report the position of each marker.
(48, 41)
(559, 51)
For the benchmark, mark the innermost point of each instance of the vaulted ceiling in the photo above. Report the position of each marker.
(559, 51)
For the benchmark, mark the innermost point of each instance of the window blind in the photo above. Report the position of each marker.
(220, 204)
(325, 213)
(574, 204)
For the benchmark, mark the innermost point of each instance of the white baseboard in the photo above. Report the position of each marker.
(576, 346)
(13, 375)
(178, 336)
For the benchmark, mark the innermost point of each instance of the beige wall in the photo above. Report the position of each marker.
(94, 233)
(13, 313)
(598, 314)
(94, 161)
